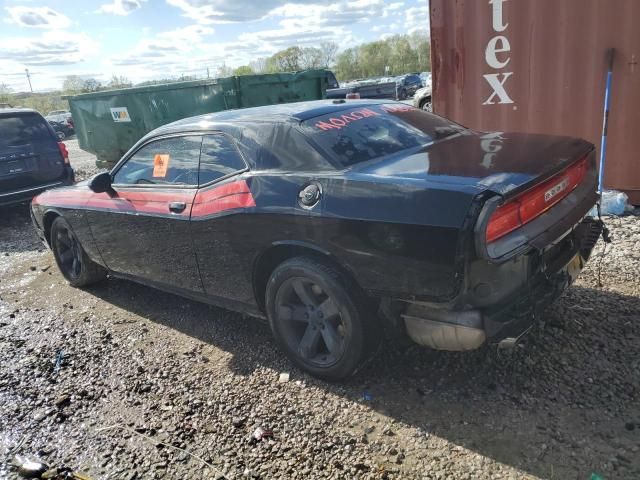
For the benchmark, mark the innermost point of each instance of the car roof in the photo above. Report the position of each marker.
(8, 112)
(285, 112)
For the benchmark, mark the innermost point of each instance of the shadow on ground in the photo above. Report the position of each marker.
(573, 381)
(16, 231)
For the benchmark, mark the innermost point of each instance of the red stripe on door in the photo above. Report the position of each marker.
(143, 202)
(225, 197)
(207, 202)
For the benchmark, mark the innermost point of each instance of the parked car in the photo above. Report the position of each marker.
(334, 218)
(422, 99)
(60, 116)
(425, 77)
(372, 88)
(31, 158)
(407, 85)
(52, 113)
(63, 130)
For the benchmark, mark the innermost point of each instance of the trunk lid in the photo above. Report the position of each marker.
(504, 163)
(29, 152)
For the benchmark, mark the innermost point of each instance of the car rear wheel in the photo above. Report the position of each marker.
(403, 94)
(61, 135)
(71, 258)
(318, 318)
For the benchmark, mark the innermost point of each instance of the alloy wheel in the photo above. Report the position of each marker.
(69, 253)
(312, 323)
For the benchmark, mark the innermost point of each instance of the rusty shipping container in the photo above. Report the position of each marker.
(540, 66)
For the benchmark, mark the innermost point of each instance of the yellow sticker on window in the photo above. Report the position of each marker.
(160, 165)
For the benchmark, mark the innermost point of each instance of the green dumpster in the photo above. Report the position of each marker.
(110, 122)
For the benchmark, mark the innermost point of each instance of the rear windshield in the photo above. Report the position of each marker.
(21, 130)
(360, 134)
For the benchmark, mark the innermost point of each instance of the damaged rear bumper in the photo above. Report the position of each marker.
(546, 274)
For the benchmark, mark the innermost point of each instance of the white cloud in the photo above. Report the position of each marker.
(417, 19)
(395, 6)
(270, 41)
(191, 33)
(228, 11)
(120, 7)
(165, 50)
(39, 17)
(344, 13)
(52, 48)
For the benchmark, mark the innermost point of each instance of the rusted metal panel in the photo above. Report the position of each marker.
(540, 66)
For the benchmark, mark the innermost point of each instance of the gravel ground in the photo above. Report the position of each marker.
(83, 163)
(121, 381)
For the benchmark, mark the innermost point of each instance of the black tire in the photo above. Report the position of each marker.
(60, 135)
(72, 260)
(330, 331)
(402, 95)
(426, 105)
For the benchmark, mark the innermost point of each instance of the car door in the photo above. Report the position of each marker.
(220, 234)
(142, 228)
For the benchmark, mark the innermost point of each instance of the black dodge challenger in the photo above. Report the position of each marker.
(337, 221)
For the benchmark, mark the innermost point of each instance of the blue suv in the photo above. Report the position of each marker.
(31, 158)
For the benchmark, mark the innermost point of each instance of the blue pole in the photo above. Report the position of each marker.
(605, 121)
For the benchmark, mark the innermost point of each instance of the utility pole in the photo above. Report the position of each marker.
(29, 79)
(207, 72)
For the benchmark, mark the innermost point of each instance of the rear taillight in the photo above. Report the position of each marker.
(534, 202)
(64, 152)
(352, 96)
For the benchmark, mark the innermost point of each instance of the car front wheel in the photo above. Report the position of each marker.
(71, 258)
(318, 318)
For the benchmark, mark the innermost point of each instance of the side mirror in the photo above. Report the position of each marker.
(101, 183)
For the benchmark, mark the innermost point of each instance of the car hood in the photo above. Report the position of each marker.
(503, 163)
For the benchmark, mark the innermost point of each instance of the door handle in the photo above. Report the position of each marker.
(177, 207)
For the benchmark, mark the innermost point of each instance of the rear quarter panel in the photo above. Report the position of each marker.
(401, 238)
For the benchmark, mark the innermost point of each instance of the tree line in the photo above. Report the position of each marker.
(394, 55)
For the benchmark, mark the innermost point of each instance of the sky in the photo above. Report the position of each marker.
(152, 39)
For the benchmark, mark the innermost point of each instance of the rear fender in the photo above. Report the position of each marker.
(279, 251)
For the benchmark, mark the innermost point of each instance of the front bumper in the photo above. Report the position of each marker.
(25, 194)
(548, 273)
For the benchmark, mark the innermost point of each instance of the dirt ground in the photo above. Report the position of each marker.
(110, 379)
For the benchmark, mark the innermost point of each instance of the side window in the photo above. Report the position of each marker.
(219, 157)
(170, 161)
